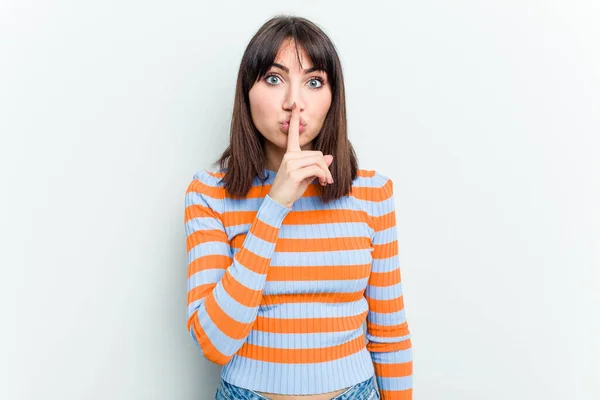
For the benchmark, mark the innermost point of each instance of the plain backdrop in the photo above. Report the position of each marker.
(486, 115)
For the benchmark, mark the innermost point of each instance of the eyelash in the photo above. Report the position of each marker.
(318, 78)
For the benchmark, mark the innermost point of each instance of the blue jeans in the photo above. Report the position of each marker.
(365, 390)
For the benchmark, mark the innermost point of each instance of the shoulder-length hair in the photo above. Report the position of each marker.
(245, 157)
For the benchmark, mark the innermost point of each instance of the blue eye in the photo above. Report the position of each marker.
(271, 76)
(316, 78)
(320, 80)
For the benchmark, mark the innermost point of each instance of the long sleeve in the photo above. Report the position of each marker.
(224, 293)
(387, 328)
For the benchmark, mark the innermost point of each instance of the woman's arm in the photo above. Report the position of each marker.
(387, 328)
(224, 292)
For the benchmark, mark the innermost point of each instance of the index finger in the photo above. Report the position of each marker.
(293, 140)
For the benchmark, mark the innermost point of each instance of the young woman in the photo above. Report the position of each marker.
(291, 247)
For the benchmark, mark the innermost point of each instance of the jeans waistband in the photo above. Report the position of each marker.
(360, 391)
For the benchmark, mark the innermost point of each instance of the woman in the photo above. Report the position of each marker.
(283, 272)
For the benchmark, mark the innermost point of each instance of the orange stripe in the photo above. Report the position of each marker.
(386, 347)
(242, 294)
(200, 292)
(386, 306)
(264, 231)
(210, 191)
(253, 261)
(232, 218)
(309, 325)
(199, 211)
(365, 173)
(387, 250)
(209, 261)
(384, 221)
(302, 356)
(406, 394)
(318, 273)
(388, 331)
(385, 279)
(325, 216)
(311, 298)
(205, 236)
(215, 174)
(259, 191)
(324, 244)
(375, 194)
(395, 370)
(207, 347)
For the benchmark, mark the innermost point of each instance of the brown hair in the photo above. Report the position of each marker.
(245, 156)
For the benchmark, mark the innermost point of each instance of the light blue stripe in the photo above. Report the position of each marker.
(193, 306)
(258, 246)
(386, 236)
(385, 264)
(246, 277)
(308, 231)
(392, 357)
(335, 286)
(345, 257)
(203, 277)
(392, 339)
(194, 336)
(204, 200)
(375, 208)
(317, 310)
(390, 319)
(202, 223)
(401, 383)
(384, 293)
(208, 248)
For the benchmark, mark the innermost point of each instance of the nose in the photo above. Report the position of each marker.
(293, 95)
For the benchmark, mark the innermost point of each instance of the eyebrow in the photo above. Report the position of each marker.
(287, 70)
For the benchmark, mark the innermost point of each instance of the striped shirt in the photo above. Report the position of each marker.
(279, 296)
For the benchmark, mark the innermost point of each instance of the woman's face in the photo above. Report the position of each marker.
(272, 97)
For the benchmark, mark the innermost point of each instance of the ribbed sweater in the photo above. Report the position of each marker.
(278, 296)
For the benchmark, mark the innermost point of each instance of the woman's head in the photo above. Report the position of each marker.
(292, 78)
(288, 60)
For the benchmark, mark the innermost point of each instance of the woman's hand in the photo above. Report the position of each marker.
(298, 167)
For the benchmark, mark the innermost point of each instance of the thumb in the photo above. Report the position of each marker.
(328, 159)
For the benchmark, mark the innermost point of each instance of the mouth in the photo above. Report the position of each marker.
(287, 120)
(285, 126)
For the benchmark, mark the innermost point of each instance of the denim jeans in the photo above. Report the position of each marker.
(365, 390)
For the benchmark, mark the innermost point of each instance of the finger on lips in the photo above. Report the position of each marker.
(293, 141)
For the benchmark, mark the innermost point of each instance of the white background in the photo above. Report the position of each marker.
(486, 115)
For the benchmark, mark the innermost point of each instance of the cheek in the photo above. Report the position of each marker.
(322, 106)
(262, 104)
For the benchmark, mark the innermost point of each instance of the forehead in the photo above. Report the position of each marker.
(287, 56)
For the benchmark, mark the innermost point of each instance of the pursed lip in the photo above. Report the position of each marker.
(287, 121)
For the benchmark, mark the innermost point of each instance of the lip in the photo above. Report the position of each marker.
(287, 121)
(285, 126)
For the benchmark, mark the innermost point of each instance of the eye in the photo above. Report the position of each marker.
(271, 76)
(315, 78)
